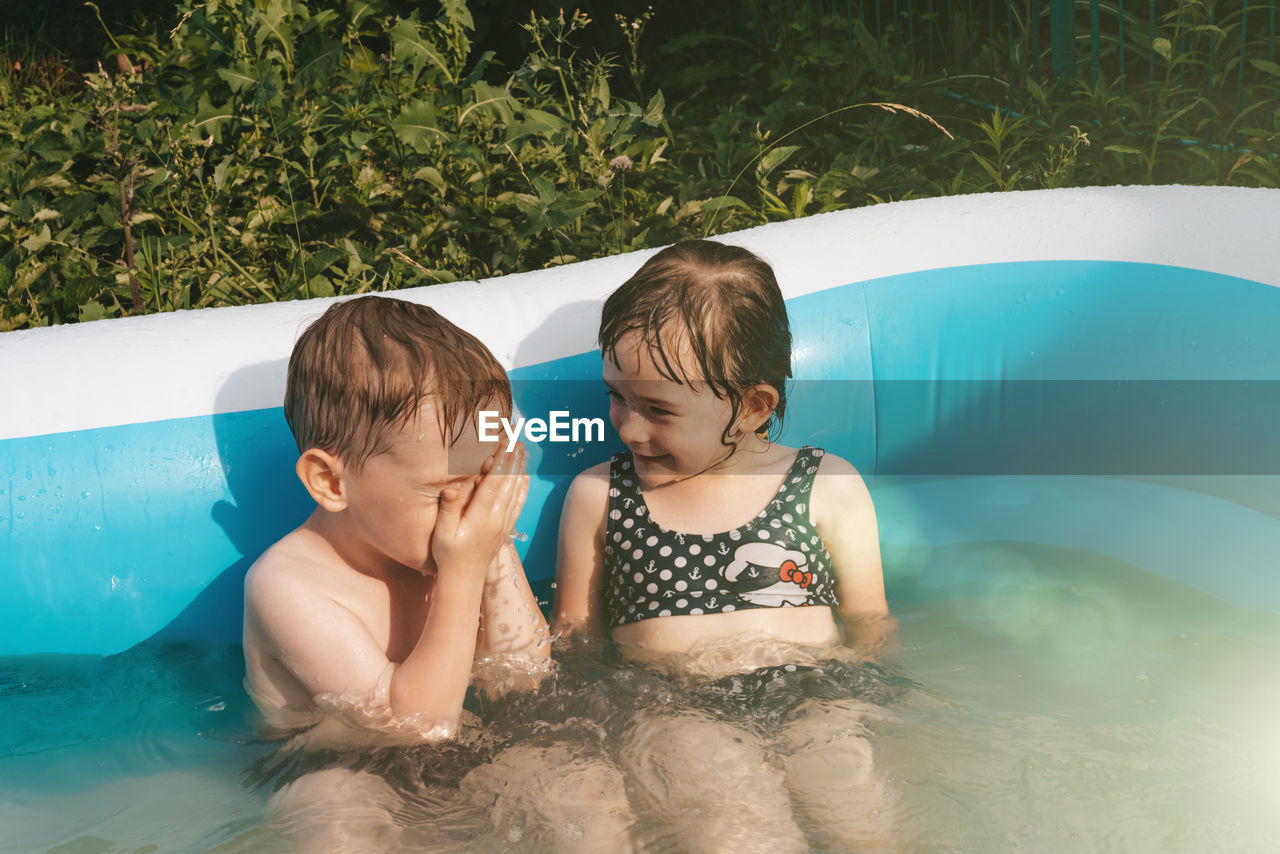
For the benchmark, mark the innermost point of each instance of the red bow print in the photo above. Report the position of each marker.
(790, 572)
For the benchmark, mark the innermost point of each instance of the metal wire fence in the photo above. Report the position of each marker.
(1223, 53)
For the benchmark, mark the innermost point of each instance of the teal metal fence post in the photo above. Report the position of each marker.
(1062, 33)
(1094, 37)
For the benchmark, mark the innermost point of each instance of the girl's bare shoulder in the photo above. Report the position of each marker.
(839, 487)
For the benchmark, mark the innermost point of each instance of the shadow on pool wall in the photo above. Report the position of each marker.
(257, 453)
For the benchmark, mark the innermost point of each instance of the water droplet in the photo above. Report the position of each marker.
(84, 494)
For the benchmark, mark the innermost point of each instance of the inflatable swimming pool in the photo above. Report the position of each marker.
(1064, 403)
(145, 462)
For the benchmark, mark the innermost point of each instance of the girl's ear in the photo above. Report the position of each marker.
(758, 403)
(321, 474)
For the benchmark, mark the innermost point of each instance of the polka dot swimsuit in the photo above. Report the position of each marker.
(776, 560)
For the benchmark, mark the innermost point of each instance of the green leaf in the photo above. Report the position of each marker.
(988, 167)
(545, 189)
(491, 99)
(272, 23)
(653, 112)
(457, 13)
(416, 126)
(569, 206)
(321, 260)
(210, 119)
(724, 202)
(1162, 47)
(774, 157)
(1035, 89)
(92, 310)
(220, 171)
(319, 286)
(432, 176)
(542, 120)
(408, 46)
(36, 242)
(1126, 149)
(601, 93)
(237, 78)
(1266, 67)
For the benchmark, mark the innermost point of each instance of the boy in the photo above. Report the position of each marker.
(379, 604)
(374, 612)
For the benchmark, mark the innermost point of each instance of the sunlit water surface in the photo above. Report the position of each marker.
(1042, 700)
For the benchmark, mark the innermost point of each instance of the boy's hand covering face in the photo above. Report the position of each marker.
(476, 518)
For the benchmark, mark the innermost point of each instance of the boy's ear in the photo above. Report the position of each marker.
(758, 403)
(321, 474)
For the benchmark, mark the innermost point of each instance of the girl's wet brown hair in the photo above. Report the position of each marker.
(724, 303)
(367, 364)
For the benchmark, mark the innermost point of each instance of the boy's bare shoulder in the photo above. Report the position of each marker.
(295, 564)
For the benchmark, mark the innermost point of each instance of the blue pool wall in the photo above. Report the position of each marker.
(968, 395)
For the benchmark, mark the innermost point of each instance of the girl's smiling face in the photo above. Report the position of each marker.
(673, 429)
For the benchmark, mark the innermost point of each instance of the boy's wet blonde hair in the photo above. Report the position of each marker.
(365, 367)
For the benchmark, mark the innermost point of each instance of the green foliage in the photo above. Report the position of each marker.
(259, 150)
(278, 150)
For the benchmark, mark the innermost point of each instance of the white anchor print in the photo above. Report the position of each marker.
(711, 603)
(696, 574)
(627, 502)
(651, 567)
(724, 550)
(791, 535)
(680, 539)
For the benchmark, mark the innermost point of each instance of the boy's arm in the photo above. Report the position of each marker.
(513, 631)
(580, 558)
(324, 649)
(846, 520)
(431, 683)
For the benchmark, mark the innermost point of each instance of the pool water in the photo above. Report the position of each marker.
(1061, 701)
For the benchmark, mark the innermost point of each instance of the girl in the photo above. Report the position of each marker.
(710, 552)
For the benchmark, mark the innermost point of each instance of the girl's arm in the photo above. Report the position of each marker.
(580, 560)
(841, 509)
